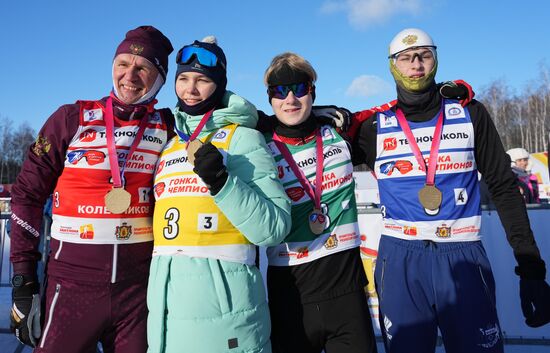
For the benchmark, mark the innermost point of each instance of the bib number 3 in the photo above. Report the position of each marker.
(207, 222)
(171, 230)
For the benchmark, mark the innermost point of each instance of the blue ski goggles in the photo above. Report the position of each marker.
(204, 56)
(281, 91)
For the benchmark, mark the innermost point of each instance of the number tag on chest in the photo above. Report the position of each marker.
(207, 222)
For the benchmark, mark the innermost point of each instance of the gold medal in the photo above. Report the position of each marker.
(117, 200)
(430, 197)
(192, 147)
(317, 221)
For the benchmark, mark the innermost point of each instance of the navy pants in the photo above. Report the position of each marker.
(425, 285)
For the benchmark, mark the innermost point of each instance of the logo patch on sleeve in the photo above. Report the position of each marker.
(233, 343)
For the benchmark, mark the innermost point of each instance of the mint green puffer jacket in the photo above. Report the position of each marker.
(204, 305)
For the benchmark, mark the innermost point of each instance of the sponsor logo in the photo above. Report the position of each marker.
(454, 111)
(387, 325)
(489, 336)
(74, 156)
(443, 231)
(155, 118)
(458, 135)
(466, 229)
(93, 114)
(88, 136)
(41, 146)
(390, 144)
(331, 242)
(92, 157)
(388, 121)
(281, 171)
(220, 135)
(160, 167)
(295, 193)
(393, 227)
(159, 188)
(123, 232)
(327, 132)
(302, 252)
(87, 231)
(410, 230)
(402, 166)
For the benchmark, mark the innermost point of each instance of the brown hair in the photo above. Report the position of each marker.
(294, 61)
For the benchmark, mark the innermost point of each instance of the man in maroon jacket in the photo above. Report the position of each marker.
(97, 158)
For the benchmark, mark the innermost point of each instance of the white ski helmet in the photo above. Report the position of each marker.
(410, 38)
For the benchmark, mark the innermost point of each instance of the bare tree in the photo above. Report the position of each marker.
(524, 120)
(14, 144)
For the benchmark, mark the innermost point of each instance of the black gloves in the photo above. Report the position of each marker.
(535, 301)
(337, 117)
(25, 310)
(209, 166)
(534, 293)
(458, 89)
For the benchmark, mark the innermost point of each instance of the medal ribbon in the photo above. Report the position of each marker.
(116, 173)
(313, 193)
(198, 129)
(434, 149)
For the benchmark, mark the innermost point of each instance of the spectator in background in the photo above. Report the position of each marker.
(528, 182)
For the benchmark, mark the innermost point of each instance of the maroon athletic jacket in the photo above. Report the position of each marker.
(36, 182)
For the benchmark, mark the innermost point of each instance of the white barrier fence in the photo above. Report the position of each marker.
(370, 220)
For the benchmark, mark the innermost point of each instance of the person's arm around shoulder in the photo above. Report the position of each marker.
(253, 199)
(364, 141)
(494, 164)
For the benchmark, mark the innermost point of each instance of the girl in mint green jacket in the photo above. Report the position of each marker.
(217, 198)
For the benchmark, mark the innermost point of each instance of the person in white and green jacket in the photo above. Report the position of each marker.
(217, 198)
(315, 278)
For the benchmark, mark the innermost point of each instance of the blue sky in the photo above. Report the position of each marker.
(56, 52)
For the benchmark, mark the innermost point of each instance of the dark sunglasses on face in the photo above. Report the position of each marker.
(204, 57)
(281, 91)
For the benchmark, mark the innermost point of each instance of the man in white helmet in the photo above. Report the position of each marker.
(432, 271)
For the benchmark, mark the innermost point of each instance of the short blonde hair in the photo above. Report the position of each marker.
(294, 61)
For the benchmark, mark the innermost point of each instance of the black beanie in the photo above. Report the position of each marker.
(287, 75)
(218, 74)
